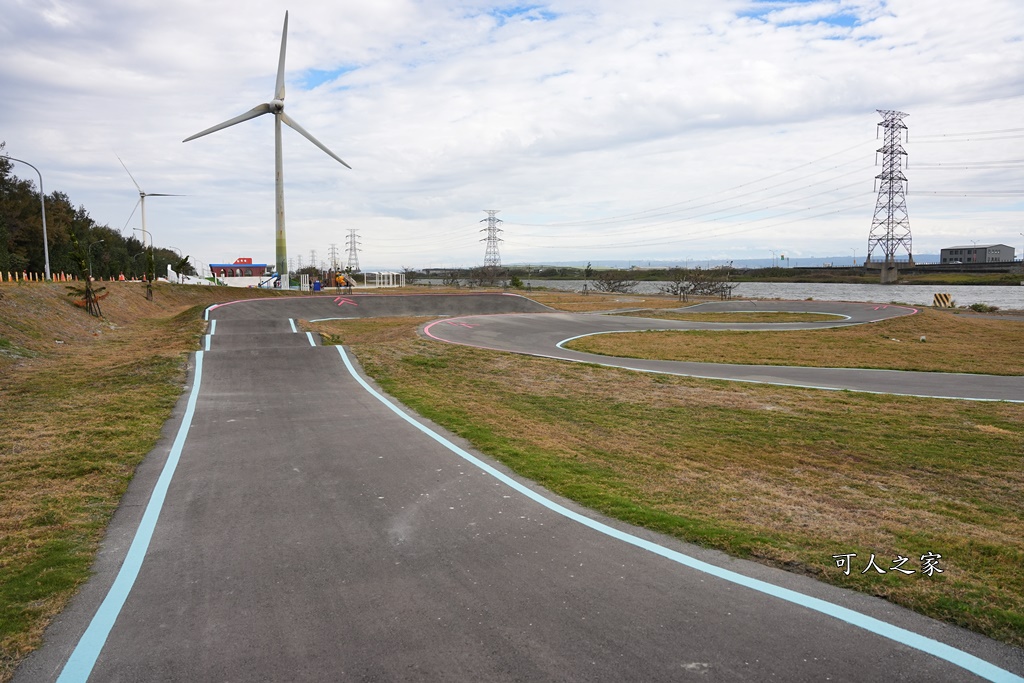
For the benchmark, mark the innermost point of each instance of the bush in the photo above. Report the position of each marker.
(983, 308)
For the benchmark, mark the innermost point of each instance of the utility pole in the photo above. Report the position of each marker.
(491, 257)
(890, 227)
(352, 247)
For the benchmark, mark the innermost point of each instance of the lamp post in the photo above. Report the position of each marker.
(89, 252)
(42, 204)
(773, 257)
(854, 252)
(180, 257)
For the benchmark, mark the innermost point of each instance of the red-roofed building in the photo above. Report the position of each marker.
(242, 267)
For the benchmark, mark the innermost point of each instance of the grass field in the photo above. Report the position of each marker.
(789, 477)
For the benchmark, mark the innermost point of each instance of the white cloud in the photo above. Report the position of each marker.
(555, 112)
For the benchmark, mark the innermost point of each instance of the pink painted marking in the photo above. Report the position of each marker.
(341, 301)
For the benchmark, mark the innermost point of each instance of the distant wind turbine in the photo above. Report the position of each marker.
(276, 107)
(150, 275)
(142, 202)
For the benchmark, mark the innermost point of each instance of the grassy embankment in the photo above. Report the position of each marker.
(786, 476)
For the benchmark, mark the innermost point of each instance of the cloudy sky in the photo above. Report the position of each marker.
(600, 129)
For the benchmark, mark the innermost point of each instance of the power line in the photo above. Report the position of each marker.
(628, 216)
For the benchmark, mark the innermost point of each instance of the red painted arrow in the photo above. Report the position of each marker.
(458, 324)
(341, 301)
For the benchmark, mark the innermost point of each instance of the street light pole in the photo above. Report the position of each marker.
(42, 204)
(89, 251)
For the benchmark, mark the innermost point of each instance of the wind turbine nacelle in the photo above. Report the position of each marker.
(276, 106)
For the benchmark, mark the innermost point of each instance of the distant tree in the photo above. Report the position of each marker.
(90, 297)
(687, 282)
(451, 278)
(614, 281)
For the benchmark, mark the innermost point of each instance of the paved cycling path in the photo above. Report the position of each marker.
(544, 334)
(295, 525)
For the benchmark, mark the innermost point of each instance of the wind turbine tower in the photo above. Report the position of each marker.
(276, 107)
(352, 247)
(491, 257)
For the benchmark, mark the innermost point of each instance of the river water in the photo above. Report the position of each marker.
(1005, 297)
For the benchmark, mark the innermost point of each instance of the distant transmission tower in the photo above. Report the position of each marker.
(332, 254)
(352, 246)
(890, 227)
(491, 257)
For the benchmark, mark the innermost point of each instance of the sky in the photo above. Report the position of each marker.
(649, 130)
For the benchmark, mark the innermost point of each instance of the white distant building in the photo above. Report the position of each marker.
(977, 253)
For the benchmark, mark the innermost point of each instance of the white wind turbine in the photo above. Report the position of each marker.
(276, 107)
(142, 202)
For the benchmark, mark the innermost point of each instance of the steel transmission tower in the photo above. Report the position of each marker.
(352, 247)
(890, 227)
(332, 254)
(491, 257)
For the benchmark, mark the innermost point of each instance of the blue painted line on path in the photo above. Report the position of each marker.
(967, 661)
(82, 660)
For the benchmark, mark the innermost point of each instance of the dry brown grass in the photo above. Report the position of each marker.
(739, 317)
(954, 343)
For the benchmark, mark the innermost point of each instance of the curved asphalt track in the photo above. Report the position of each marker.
(296, 525)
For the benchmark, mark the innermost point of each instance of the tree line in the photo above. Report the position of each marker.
(105, 250)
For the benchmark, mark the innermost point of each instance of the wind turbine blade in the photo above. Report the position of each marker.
(258, 110)
(279, 88)
(161, 194)
(132, 213)
(291, 123)
(129, 175)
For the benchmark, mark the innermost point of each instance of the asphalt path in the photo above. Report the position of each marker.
(296, 525)
(544, 334)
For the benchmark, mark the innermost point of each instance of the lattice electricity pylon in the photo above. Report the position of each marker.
(332, 253)
(491, 257)
(352, 247)
(890, 227)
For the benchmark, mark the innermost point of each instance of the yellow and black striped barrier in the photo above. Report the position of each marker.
(942, 301)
